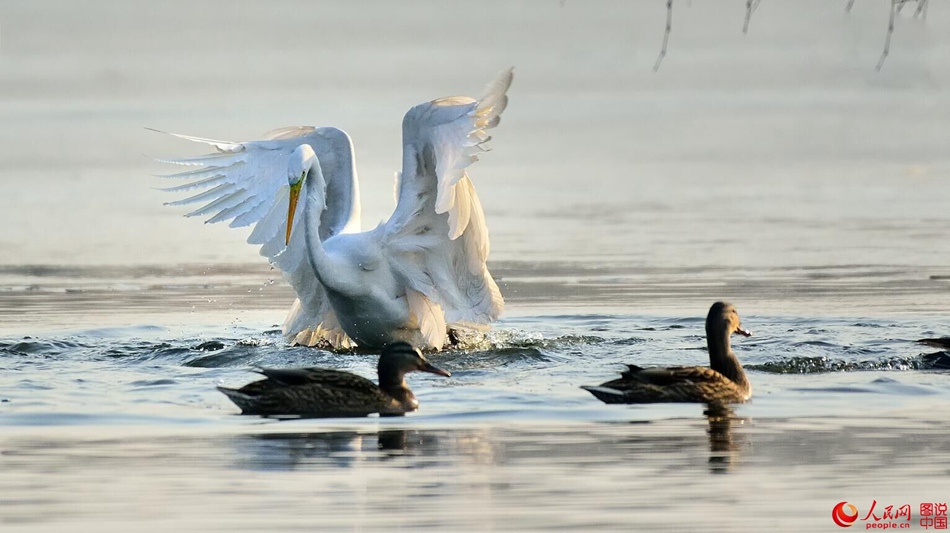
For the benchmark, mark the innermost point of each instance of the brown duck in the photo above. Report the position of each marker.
(722, 382)
(938, 360)
(321, 392)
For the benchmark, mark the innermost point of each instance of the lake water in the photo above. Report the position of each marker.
(777, 170)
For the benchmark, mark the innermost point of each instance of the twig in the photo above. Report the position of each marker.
(896, 7)
(921, 9)
(890, 31)
(849, 6)
(750, 7)
(666, 36)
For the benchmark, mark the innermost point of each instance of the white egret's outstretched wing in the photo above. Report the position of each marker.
(246, 183)
(437, 235)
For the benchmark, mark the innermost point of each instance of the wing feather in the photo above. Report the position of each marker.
(245, 207)
(215, 179)
(222, 190)
(246, 183)
(430, 318)
(226, 197)
(438, 229)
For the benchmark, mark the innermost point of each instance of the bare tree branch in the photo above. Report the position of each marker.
(890, 31)
(750, 7)
(896, 7)
(666, 36)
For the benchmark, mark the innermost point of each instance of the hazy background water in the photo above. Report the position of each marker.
(776, 169)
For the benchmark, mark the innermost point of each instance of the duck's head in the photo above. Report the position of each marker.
(724, 317)
(398, 358)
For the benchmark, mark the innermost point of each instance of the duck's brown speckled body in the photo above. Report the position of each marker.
(723, 382)
(322, 392)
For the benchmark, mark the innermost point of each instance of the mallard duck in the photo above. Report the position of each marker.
(938, 360)
(722, 382)
(942, 342)
(321, 392)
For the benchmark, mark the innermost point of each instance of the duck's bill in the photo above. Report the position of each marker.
(435, 370)
(744, 332)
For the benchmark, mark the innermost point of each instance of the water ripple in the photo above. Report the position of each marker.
(818, 365)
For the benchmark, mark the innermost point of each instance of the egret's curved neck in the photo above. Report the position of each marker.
(721, 358)
(343, 212)
(333, 272)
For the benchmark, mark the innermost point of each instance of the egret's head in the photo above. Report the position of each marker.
(300, 163)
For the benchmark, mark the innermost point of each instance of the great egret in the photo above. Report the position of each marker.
(411, 278)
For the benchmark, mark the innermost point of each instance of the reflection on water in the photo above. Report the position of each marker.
(832, 244)
(289, 451)
(725, 445)
(315, 450)
(683, 473)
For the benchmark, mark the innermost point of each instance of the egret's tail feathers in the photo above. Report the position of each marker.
(313, 323)
(319, 336)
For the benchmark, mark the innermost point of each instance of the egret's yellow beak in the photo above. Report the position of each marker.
(294, 196)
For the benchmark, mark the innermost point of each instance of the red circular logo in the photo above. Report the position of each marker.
(841, 517)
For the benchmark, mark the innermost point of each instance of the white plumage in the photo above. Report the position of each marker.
(411, 278)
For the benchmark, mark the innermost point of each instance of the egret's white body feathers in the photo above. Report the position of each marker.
(408, 279)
